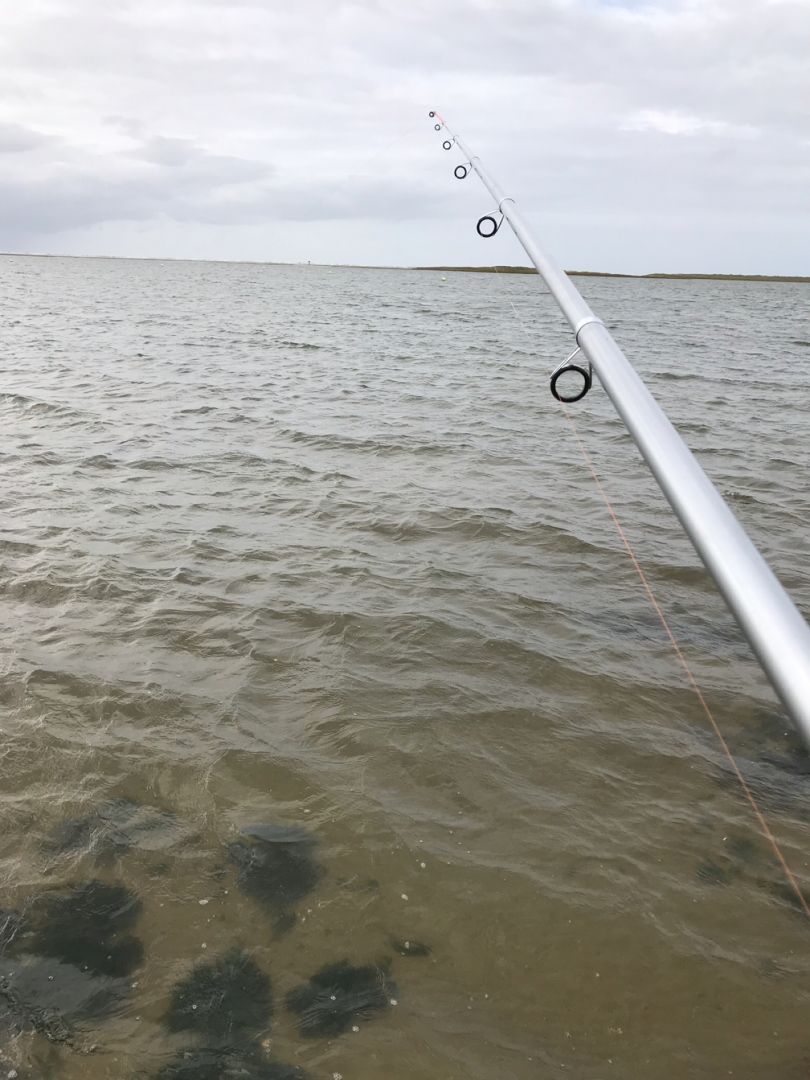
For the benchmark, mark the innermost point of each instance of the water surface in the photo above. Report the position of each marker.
(313, 551)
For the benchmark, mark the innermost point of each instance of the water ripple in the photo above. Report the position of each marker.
(312, 548)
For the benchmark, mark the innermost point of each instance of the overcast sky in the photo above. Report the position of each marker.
(672, 135)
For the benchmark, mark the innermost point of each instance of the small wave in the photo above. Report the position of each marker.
(186, 576)
(680, 573)
(98, 461)
(223, 530)
(328, 441)
(299, 344)
(155, 464)
(491, 524)
(33, 407)
(17, 547)
(335, 475)
(17, 399)
(47, 591)
(742, 497)
(236, 457)
(40, 591)
(783, 463)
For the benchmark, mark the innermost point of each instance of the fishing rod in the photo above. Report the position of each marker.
(767, 616)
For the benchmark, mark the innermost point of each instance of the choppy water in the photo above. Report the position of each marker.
(314, 549)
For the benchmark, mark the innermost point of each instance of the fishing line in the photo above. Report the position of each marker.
(774, 627)
(749, 795)
(764, 828)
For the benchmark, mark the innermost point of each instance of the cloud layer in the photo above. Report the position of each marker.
(668, 135)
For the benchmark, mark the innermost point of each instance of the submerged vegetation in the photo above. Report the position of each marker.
(277, 867)
(338, 995)
(69, 954)
(85, 925)
(217, 999)
(65, 958)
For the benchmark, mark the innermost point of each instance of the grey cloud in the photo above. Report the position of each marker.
(223, 113)
(222, 197)
(197, 165)
(18, 139)
(129, 125)
(163, 151)
(159, 177)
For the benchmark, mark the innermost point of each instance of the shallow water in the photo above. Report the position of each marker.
(306, 548)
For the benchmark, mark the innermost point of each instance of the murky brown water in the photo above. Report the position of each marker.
(315, 548)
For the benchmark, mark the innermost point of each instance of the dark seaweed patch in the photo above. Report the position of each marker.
(339, 994)
(116, 958)
(410, 947)
(226, 1065)
(21, 1013)
(57, 956)
(230, 994)
(743, 850)
(786, 894)
(712, 873)
(93, 907)
(744, 859)
(84, 925)
(739, 859)
(276, 865)
(49, 997)
(284, 922)
(774, 763)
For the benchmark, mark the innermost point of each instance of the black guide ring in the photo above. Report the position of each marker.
(460, 172)
(431, 114)
(447, 145)
(486, 233)
(437, 127)
(587, 381)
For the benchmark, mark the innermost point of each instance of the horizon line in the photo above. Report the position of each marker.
(508, 269)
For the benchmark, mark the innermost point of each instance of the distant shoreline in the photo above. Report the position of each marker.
(635, 277)
(790, 279)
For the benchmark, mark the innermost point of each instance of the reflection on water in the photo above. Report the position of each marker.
(112, 829)
(338, 739)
